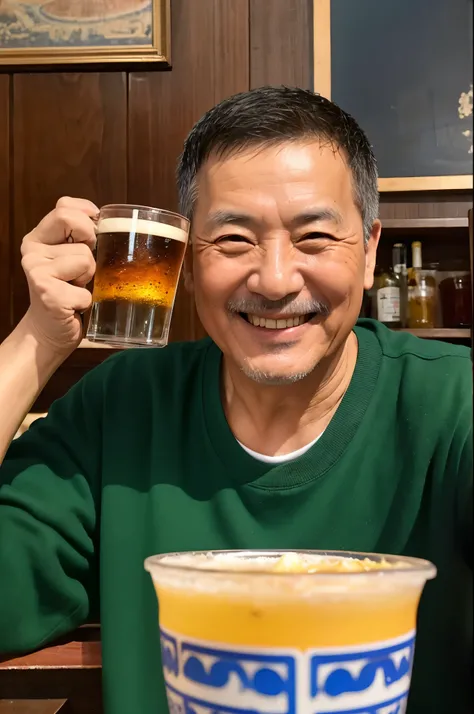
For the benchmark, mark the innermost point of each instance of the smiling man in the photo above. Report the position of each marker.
(291, 426)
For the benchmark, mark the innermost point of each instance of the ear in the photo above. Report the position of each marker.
(188, 272)
(371, 254)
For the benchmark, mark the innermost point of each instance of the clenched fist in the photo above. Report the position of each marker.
(58, 263)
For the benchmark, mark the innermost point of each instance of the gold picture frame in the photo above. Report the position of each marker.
(322, 85)
(40, 32)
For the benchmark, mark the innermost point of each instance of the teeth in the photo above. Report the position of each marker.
(276, 324)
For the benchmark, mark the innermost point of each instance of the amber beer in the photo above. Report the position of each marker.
(139, 259)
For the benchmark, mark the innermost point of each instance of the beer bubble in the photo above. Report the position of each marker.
(153, 268)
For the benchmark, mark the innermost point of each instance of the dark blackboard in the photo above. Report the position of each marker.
(400, 68)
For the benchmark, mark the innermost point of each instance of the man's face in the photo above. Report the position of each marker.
(278, 262)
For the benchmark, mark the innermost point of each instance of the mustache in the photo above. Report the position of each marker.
(286, 307)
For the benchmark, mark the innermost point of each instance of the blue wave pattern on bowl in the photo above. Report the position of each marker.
(203, 678)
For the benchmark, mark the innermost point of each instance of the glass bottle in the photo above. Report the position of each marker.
(388, 298)
(399, 260)
(421, 293)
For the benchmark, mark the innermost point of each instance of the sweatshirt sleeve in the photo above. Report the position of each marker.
(49, 518)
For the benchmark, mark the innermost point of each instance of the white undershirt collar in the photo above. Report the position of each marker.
(281, 458)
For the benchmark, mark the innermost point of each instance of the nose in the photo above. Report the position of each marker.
(277, 273)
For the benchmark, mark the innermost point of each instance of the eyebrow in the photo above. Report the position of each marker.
(222, 218)
(317, 215)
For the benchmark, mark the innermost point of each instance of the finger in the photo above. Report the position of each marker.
(66, 268)
(64, 298)
(83, 281)
(61, 225)
(51, 252)
(78, 269)
(80, 204)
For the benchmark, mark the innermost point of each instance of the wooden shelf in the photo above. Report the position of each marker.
(419, 226)
(80, 649)
(440, 333)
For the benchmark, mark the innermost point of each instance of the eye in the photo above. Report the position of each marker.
(314, 235)
(234, 244)
(233, 238)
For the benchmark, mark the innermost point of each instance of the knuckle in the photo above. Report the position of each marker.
(91, 272)
(63, 201)
(83, 263)
(26, 242)
(28, 261)
(83, 250)
(36, 275)
(62, 214)
(23, 249)
(39, 284)
(31, 247)
(91, 262)
(86, 298)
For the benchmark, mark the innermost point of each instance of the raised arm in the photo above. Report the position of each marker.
(58, 264)
(49, 478)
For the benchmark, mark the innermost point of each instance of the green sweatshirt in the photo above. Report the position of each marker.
(138, 459)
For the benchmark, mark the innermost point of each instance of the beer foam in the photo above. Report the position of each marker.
(141, 225)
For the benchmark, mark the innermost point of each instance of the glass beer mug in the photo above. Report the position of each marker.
(139, 257)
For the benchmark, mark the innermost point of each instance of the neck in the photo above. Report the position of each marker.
(276, 420)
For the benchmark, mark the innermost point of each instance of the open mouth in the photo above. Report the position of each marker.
(277, 324)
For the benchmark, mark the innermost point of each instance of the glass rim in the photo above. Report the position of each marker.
(148, 209)
(413, 566)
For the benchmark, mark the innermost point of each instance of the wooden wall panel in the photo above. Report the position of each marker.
(5, 184)
(281, 44)
(210, 62)
(69, 138)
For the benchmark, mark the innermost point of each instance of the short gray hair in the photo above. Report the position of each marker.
(272, 115)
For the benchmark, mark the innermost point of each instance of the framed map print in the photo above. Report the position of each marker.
(403, 69)
(76, 31)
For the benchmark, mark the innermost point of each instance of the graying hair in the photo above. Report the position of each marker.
(273, 115)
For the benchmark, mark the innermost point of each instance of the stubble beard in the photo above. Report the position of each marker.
(273, 379)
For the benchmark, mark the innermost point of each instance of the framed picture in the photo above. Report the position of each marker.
(403, 69)
(39, 32)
